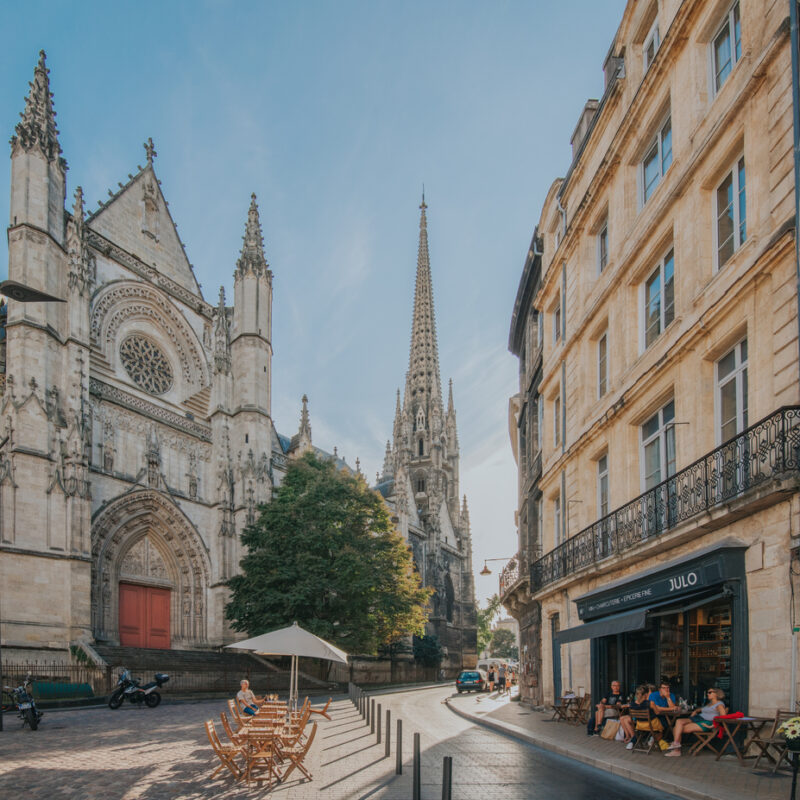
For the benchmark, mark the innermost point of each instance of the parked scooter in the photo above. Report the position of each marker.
(26, 705)
(128, 687)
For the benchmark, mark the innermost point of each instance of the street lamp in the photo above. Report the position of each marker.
(22, 294)
(486, 570)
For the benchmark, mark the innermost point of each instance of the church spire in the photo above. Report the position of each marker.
(252, 258)
(423, 363)
(451, 409)
(37, 128)
(305, 425)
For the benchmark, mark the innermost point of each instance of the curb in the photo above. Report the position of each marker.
(654, 782)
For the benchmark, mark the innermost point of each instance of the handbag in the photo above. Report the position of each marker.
(610, 729)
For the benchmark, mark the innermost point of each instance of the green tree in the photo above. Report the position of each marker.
(503, 644)
(486, 617)
(428, 650)
(325, 553)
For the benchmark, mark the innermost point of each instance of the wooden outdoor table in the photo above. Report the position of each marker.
(671, 715)
(256, 740)
(752, 726)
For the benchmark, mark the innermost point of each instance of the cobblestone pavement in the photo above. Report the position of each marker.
(150, 754)
(699, 778)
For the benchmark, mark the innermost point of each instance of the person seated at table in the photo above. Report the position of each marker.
(701, 720)
(607, 708)
(247, 699)
(640, 703)
(662, 699)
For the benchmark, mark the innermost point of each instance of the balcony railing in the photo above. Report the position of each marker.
(763, 452)
(516, 568)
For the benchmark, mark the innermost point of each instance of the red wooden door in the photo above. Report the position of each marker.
(143, 616)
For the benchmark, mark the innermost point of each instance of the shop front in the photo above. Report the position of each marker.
(686, 623)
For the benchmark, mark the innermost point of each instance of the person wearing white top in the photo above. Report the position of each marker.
(247, 699)
(701, 720)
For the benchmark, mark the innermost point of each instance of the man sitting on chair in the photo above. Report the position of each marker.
(606, 708)
(247, 699)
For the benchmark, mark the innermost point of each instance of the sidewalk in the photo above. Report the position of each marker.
(694, 778)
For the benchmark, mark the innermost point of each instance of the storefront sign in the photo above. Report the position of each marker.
(647, 592)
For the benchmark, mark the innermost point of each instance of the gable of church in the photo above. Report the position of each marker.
(137, 219)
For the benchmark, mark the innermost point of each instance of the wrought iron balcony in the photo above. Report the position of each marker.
(764, 452)
(512, 572)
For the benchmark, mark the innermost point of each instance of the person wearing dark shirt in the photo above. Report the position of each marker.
(608, 707)
(640, 703)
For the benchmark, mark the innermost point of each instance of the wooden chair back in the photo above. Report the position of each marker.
(225, 755)
(226, 726)
(234, 709)
(642, 730)
(296, 753)
(323, 711)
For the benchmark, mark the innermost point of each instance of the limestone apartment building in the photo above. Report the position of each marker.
(657, 427)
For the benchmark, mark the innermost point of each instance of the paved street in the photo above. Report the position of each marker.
(163, 753)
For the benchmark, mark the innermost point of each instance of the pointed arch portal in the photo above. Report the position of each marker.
(150, 574)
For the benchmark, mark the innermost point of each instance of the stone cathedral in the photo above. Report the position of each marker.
(136, 437)
(420, 479)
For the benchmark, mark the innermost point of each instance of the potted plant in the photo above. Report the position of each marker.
(790, 730)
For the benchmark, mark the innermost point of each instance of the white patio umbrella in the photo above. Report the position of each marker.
(293, 641)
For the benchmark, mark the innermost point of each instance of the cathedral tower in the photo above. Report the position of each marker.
(421, 478)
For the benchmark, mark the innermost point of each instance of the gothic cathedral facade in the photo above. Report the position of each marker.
(136, 436)
(420, 480)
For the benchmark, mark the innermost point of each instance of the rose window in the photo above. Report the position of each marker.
(146, 363)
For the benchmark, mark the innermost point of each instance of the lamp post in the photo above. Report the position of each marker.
(22, 294)
(486, 570)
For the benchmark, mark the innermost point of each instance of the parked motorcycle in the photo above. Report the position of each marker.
(130, 688)
(26, 705)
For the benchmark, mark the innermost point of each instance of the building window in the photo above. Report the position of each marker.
(731, 213)
(732, 392)
(557, 420)
(658, 446)
(726, 49)
(602, 365)
(602, 486)
(657, 160)
(602, 247)
(420, 485)
(557, 322)
(539, 422)
(659, 299)
(557, 520)
(650, 47)
(421, 447)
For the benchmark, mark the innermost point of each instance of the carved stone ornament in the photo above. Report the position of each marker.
(146, 364)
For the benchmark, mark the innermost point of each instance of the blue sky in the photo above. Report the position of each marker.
(335, 114)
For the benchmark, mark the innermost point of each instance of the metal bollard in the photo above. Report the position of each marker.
(447, 778)
(416, 773)
(388, 751)
(378, 725)
(372, 717)
(398, 770)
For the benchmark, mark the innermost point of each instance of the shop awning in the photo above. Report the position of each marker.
(617, 623)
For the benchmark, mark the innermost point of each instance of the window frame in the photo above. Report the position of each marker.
(602, 475)
(557, 420)
(659, 268)
(657, 143)
(739, 195)
(557, 321)
(602, 364)
(739, 374)
(728, 25)
(662, 431)
(557, 514)
(602, 247)
(653, 36)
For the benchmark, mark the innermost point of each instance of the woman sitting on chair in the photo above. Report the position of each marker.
(247, 699)
(701, 720)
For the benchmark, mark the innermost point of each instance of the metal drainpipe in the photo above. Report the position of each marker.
(795, 45)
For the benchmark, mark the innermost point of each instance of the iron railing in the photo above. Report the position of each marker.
(765, 451)
(517, 567)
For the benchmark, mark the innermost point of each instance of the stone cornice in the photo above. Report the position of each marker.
(149, 273)
(121, 398)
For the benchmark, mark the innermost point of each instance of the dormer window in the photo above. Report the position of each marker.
(650, 47)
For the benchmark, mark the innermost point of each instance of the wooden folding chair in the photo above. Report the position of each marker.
(226, 726)
(236, 714)
(267, 752)
(560, 709)
(642, 731)
(581, 709)
(704, 740)
(323, 711)
(226, 753)
(775, 743)
(296, 752)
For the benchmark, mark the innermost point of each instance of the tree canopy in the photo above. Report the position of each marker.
(324, 553)
(485, 619)
(503, 644)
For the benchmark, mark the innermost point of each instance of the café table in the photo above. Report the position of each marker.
(671, 715)
(261, 743)
(730, 727)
